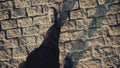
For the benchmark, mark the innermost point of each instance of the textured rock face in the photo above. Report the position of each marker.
(90, 34)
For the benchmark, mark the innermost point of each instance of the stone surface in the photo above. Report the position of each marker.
(4, 15)
(31, 31)
(115, 41)
(87, 3)
(114, 9)
(5, 54)
(2, 35)
(95, 42)
(71, 25)
(78, 45)
(97, 11)
(69, 5)
(24, 22)
(18, 13)
(39, 39)
(77, 14)
(12, 33)
(43, 20)
(6, 5)
(16, 63)
(118, 18)
(64, 37)
(22, 3)
(114, 30)
(102, 2)
(39, 2)
(110, 62)
(89, 35)
(11, 43)
(65, 27)
(19, 51)
(105, 21)
(32, 11)
(28, 41)
(89, 64)
(8, 24)
(77, 35)
(97, 32)
(84, 24)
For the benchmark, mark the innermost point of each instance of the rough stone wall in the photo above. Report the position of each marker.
(90, 35)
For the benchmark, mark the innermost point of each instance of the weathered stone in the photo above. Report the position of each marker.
(68, 46)
(114, 9)
(11, 43)
(89, 64)
(32, 11)
(102, 2)
(39, 2)
(87, 3)
(77, 35)
(22, 3)
(62, 48)
(44, 23)
(69, 5)
(39, 39)
(95, 42)
(65, 27)
(103, 52)
(5, 63)
(44, 29)
(105, 21)
(77, 14)
(114, 30)
(1, 44)
(112, 41)
(31, 31)
(118, 18)
(78, 55)
(55, 0)
(28, 41)
(19, 52)
(87, 54)
(18, 62)
(12, 33)
(2, 35)
(64, 37)
(61, 60)
(30, 49)
(84, 24)
(6, 5)
(106, 51)
(97, 32)
(96, 52)
(110, 62)
(78, 45)
(95, 12)
(5, 54)
(117, 51)
(18, 13)
(71, 25)
(45, 8)
(7, 24)
(42, 20)
(24, 22)
(4, 15)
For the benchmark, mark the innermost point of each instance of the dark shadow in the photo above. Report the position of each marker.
(64, 14)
